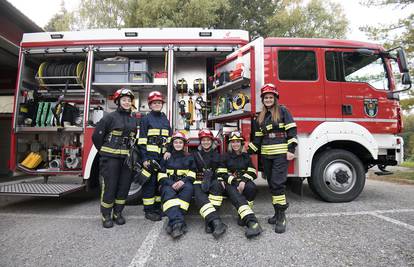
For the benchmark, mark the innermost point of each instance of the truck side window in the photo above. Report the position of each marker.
(297, 65)
(365, 68)
(332, 66)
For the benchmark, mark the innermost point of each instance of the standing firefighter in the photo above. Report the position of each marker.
(208, 189)
(275, 139)
(239, 174)
(176, 180)
(154, 136)
(113, 136)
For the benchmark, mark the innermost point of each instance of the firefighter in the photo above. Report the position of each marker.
(176, 179)
(239, 174)
(154, 138)
(208, 191)
(275, 139)
(113, 136)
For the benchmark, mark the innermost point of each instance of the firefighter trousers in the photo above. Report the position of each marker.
(116, 182)
(275, 170)
(241, 201)
(150, 195)
(208, 203)
(176, 203)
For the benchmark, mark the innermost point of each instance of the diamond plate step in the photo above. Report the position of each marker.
(39, 189)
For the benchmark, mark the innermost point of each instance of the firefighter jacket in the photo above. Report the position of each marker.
(180, 166)
(273, 138)
(115, 133)
(237, 168)
(210, 162)
(154, 135)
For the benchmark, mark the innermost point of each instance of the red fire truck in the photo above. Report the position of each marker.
(342, 94)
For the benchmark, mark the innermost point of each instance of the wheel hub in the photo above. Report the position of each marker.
(339, 176)
(342, 176)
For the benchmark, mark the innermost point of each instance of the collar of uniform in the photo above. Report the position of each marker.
(234, 155)
(178, 153)
(156, 113)
(123, 111)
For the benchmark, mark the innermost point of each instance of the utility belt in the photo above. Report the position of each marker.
(157, 140)
(200, 175)
(237, 174)
(120, 140)
(176, 178)
(275, 135)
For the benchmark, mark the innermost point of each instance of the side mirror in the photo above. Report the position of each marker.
(406, 80)
(402, 61)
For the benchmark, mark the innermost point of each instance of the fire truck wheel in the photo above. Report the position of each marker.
(312, 188)
(337, 176)
(134, 194)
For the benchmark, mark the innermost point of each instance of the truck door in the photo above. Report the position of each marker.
(299, 76)
(333, 83)
(365, 84)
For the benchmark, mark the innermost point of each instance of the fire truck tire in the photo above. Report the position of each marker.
(312, 188)
(134, 194)
(337, 176)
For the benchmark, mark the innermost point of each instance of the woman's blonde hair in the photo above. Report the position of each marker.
(242, 147)
(274, 110)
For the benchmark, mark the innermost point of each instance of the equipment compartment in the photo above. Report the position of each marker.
(49, 153)
(51, 90)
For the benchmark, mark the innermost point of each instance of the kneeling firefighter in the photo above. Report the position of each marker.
(208, 190)
(176, 179)
(239, 176)
(275, 139)
(113, 137)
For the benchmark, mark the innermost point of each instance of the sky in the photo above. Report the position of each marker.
(40, 11)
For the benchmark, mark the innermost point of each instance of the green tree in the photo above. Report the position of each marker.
(408, 135)
(290, 18)
(318, 18)
(400, 33)
(62, 21)
(252, 16)
(174, 13)
(103, 13)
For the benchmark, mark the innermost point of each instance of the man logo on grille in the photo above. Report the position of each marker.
(371, 107)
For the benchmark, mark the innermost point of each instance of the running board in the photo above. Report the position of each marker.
(39, 189)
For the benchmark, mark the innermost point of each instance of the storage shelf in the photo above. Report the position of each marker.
(112, 86)
(232, 115)
(236, 84)
(24, 129)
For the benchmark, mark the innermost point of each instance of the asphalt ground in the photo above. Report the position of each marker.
(376, 229)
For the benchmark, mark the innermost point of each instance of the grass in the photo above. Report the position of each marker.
(402, 175)
(408, 164)
(397, 177)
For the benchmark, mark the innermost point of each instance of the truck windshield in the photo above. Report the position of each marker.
(365, 68)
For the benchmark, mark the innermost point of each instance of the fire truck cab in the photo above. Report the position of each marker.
(342, 95)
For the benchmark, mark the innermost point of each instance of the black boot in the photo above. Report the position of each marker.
(107, 221)
(272, 220)
(219, 228)
(152, 216)
(208, 228)
(177, 230)
(240, 221)
(118, 218)
(168, 229)
(253, 229)
(280, 225)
